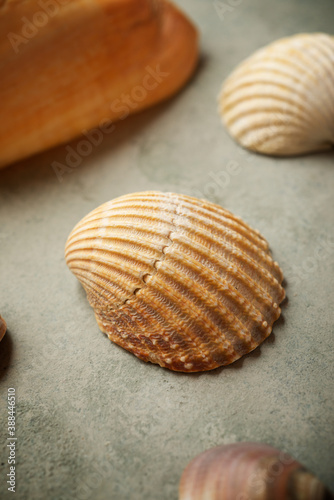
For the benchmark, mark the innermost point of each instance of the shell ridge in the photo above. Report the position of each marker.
(146, 346)
(119, 259)
(207, 289)
(274, 127)
(273, 114)
(222, 263)
(144, 306)
(157, 296)
(238, 253)
(99, 282)
(325, 96)
(189, 325)
(275, 138)
(209, 217)
(171, 202)
(132, 244)
(217, 212)
(163, 341)
(92, 291)
(117, 269)
(254, 94)
(141, 235)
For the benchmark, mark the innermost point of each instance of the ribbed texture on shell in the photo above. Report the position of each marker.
(280, 101)
(3, 327)
(176, 280)
(249, 471)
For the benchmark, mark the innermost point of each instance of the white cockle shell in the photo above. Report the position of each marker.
(280, 101)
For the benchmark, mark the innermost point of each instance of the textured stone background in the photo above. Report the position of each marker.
(95, 422)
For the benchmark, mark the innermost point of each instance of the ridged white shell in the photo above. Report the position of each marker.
(280, 101)
(175, 280)
(3, 327)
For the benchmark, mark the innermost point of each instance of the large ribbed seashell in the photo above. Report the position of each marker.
(3, 327)
(175, 280)
(70, 66)
(249, 471)
(280, 101)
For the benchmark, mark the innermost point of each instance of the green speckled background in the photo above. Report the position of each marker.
(93, 421)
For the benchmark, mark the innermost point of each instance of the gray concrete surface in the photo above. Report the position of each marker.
(92, 420)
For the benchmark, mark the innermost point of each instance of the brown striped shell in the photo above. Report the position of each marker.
(249, 471)
(3, 327)
(280, 101)
(177, 281)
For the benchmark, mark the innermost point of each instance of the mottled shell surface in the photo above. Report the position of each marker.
(3, 327)
(249, 471)
(177, 281)
(280, 101)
